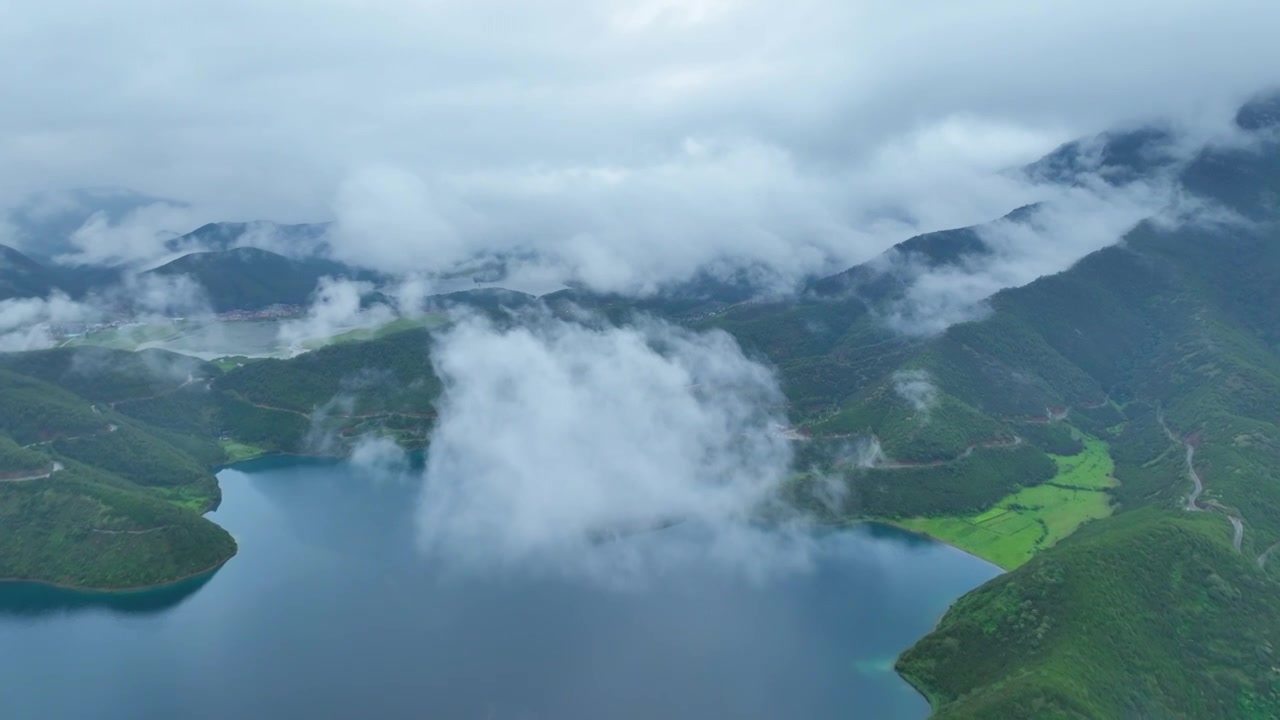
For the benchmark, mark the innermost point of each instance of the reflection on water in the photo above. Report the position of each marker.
(34, 599)
(328, 611)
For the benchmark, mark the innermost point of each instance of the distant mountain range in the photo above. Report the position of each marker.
(248, 265)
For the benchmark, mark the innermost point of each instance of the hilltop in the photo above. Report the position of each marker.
(247, 278)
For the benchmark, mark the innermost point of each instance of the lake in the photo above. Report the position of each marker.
(330, 611)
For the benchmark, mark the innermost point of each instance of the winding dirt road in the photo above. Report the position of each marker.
(1238, 525)
(1193, 500)
(887, 464)
(1266, 555)
(55, 467)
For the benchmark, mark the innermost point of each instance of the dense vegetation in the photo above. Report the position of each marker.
(85, 528)
(107, 376)
(1166, 347)
(943, 430)
(1149, 615)
(388, 374)
(97, 498)
(971, 483)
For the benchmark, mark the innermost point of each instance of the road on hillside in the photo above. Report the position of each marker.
(1193, 500)
(55, 467)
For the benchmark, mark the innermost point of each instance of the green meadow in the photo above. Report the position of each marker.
(1023, 523)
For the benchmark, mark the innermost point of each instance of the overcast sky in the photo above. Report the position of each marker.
(799, 130)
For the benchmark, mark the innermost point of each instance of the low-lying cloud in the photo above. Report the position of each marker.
(1069, 223)
(917, 389)
(136, 300)
(338, 306)
(556, 437)
(25, 323)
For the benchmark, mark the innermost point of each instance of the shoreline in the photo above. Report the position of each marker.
(916, 684)
(88, 590)
(927, 536)
(935, 703)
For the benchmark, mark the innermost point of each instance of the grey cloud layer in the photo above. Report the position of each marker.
(627, 140)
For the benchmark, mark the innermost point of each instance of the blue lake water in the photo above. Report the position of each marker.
(329, 611)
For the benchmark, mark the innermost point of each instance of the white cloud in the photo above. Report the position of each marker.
(380, 458)
(31, 323)
(137, 236)
(394, 221)
(337, 306)
(1071, 223)
(554, 436)
(25, 323)
(917, 389)
(159, 295)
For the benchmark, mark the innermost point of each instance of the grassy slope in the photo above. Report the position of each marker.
(238, 451)
(1034, 518)
(428, 321)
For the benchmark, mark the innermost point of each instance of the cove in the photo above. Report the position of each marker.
(329, 611)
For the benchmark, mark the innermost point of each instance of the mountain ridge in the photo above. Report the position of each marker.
(248, 278)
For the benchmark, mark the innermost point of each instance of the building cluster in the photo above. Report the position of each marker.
(273, 312)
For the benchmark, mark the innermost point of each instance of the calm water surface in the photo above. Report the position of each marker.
(329, 612)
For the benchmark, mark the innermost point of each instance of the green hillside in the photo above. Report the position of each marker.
(1151, 614)
(81, 527)
(1161, 349)
(94, 498)
(250, 279)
